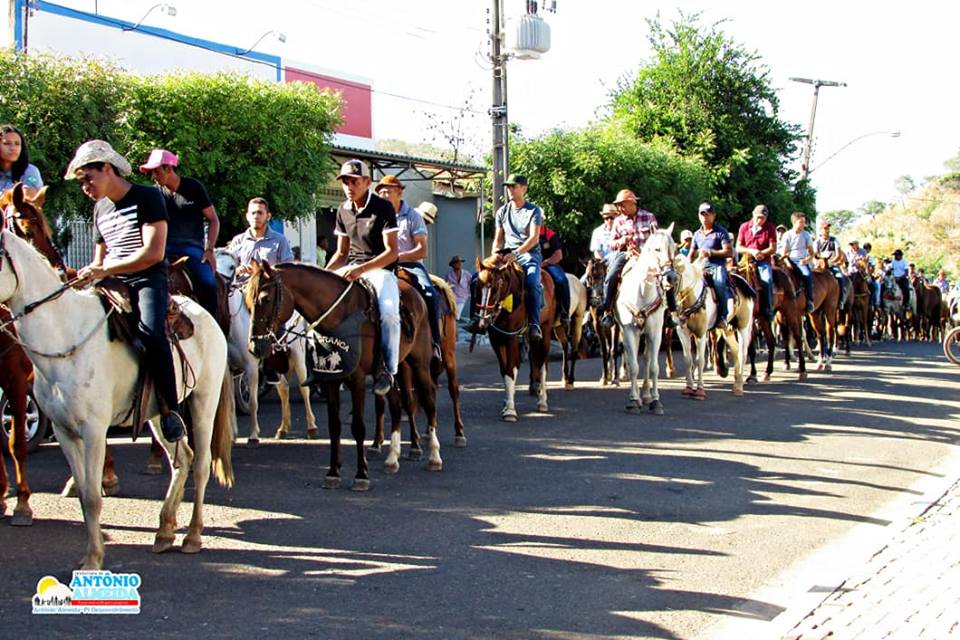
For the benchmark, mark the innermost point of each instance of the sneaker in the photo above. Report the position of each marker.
(382, 384)
(607, 321)
(172, 426)
(535, 332)
(271, 377)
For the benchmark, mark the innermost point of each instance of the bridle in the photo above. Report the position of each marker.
(492, 300)
(273, 325)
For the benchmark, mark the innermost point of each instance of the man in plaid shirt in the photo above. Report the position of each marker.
(630, 230)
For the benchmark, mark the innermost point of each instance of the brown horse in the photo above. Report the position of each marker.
(328, 300)
(823, 318)
(786, 309)
(611, 348)
(929, 311)
(501, 296)
(860, 308)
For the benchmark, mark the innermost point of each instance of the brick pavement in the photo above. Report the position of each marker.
(910, 588)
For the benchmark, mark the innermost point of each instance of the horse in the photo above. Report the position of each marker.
(448, 352)
(326, 300)
(929, 313)
(894, 308)
(823, 318)
(639, 309)
(790, 317)
(240, 358)
(697, 311)
(611, 348)
(88, 383)
(570, 340)
(501, 296)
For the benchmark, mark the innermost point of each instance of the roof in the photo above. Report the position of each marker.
(425, 168)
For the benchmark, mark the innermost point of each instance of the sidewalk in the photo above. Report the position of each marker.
(910, 588)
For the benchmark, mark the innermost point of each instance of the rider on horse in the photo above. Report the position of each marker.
(188, 206)
(828, 249)
(131, 235)
(797, 246)
(517, 236)
(712, 241)
(551, 248)
(900, 267)
(412, 245)
(630, 230)
(757, 238)
(367, 248)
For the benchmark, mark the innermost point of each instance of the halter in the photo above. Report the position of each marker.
(491, 312)
(275, 340)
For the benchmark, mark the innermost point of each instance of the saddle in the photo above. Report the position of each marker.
(122, 320)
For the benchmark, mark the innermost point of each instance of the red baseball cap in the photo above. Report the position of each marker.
(158, 158)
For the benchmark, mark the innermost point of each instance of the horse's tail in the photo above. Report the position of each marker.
(224, 431)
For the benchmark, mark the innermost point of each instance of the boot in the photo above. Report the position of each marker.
(172, 427)
(536, 333)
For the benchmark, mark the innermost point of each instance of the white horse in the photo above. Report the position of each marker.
(85, 383)
(697, 311)
(242, 360)
(639, 311)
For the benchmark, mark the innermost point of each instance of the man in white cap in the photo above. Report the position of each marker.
(189, 207)
(131, 234)
(367, 233)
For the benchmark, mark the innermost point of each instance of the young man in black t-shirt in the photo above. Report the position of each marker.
(188, 207)
(131, 228)
(367, 248)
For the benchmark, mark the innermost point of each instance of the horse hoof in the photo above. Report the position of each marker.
(360, 484)
(656, 407)
(415, 454)
(828, 367)
(568, 386)
(802, 377)
(191, 545)
(533, 390)
(279, 435)
(161, 545)
(111, 487)
(509, 416)
(373, 451)
(313, 434)
(688, 391)
(542, 407)
(434, 466)
(154, 468)
(633, 406)
(331, 482)
(391, 468)
(699, 394)
(253, 443)
(23, 519)
(751, 379)
(70, 489)
(460, 442)
(738, 392)
(766, 377)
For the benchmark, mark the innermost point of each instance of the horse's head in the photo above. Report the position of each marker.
(178, 278)
(596, 271)
(227, 264)
(662, 251)
(8, 274)
(270, 305)
(498, 289)
(24, 216)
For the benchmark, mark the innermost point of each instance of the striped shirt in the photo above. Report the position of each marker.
(119, 225)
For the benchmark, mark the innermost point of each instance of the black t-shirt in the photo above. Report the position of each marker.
(365, 228)
(119, 224)
(549, 242)
(185, 207)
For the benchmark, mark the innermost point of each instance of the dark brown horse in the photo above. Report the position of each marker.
(860, 307)
(823, 318)
(611, 348)
(785, 308)
(325, 298)
(929, 311)
(501, 297)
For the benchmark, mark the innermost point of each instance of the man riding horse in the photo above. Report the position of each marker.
(757, 238)
(828, 250)
(796, 245)
(630, 230)
(712, 241)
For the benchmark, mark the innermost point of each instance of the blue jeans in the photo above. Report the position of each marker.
(204, 280)
(149, 296)
(807, 277)
(720, 284)
(615, 262)
(531, 269)
(875, 292)
(765, 273)
(562, 287)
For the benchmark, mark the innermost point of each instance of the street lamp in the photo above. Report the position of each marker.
(279, 36)
(892, 134)
(804, 167)
(168, 9)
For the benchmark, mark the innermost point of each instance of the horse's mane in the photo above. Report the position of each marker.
(253, 284)
(445, 290)
(36, 262)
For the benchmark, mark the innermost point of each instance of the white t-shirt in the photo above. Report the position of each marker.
(797, 246)
(899, 268)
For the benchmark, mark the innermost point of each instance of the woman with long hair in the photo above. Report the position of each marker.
(15, 161)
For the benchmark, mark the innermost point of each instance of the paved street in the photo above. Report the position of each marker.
(584, 522)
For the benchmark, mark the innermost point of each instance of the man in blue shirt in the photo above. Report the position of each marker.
(712, 241)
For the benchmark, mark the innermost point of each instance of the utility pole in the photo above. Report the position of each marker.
(805, 165)
(498, 111)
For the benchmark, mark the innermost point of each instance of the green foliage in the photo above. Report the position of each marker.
(840, 219)
(573, 173)
(240, 137)
(714, 100)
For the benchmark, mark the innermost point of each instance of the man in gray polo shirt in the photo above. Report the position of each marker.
(259, 242)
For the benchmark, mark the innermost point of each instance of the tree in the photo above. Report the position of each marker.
(714, 100)
(872, 208)
(904, 185)
(840, 219)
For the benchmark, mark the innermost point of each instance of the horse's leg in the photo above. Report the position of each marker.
(771, 348)
(453, 388)
(283, 390)
(685, 345)
(203, 408)
(702, 342)
(361, 481)
(738, 351)
(298, 366)
(653, 369)
(538, 369)
(251, 369)
(181, 458)
(606, 356)
(668, 338)
(86, 475)
(4, 482)
(426, 390)
(633, 368)
(110, 482)
(22, 513)
(508, 354)
(379, 412)
(155, 466)
(332, 389)
(392, 463)
(752, 357)
(410, 405)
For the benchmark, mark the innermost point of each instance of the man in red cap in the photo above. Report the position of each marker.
(630, 230)
(189, 208)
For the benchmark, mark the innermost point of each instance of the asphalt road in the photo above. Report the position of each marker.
(584, 522)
